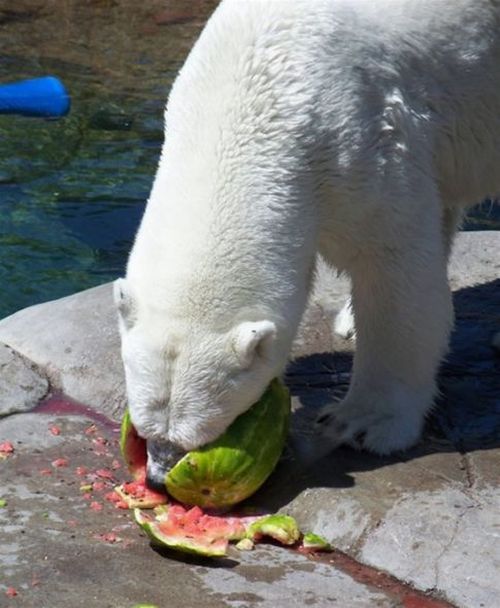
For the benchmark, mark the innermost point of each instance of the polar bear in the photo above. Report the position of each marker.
(354, 129)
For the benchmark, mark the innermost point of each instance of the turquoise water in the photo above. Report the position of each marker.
(72, 191)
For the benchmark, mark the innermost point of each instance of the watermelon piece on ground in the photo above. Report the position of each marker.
(315, 542)
(137, 494)
(282, 528)
(188, 531)
(193, 531)
(133, 448)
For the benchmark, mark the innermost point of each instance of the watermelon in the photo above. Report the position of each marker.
(235, 465)
(193, 531)
(133, 448)
(190, 531)
(282, 528)
(137, 494)
(245, 544)
(315, 542)
(224, 472)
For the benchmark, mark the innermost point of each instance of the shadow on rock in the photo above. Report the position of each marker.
(466, 416)
(194, 560)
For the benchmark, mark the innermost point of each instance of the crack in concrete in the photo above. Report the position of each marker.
(448, 546)
(470, 473)
(360, 541)
(437, 475)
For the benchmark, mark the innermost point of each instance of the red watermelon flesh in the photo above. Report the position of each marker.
(136, 493)
(133, 448)
(190, 531)
(194, 522)
(193, 531)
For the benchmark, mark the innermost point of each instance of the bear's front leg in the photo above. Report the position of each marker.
(403, 315)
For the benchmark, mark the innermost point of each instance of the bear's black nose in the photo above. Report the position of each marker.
(161, 458)
(155, 482)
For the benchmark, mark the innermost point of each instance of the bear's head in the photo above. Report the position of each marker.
(185, 381)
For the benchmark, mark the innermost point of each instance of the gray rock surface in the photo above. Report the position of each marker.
(21, 386)
(76, 344)
(430, 516)
(55, 555)
(452, 546)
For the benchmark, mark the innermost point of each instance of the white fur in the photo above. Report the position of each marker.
(344, 325)
(358, 129)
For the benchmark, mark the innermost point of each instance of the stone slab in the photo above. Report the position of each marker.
(76, 345)
(445, 540)
(21, 385)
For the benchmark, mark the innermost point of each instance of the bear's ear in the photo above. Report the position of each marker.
(124, 303)
(253, 339)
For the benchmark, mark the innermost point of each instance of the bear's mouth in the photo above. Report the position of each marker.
(162, 456)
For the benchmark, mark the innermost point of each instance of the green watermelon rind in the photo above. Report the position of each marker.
(230, 469)
(282, 528)
(315, 542)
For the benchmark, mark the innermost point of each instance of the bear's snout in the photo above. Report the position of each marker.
(162, 456)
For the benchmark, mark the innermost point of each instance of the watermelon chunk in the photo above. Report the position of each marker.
(137, 494)
(235, 465)
(189, 531)
(282, 528)
(133, 448)
(193, 531)
(315, 542)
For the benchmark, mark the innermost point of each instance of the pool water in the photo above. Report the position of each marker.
(71, 195)
(72, 191)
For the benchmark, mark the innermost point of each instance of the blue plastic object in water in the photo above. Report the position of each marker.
(44, 97)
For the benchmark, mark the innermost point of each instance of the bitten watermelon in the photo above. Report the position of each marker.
(190, 531)
(217, 475)
(226, 471)
(193, 531)
(234, 466)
